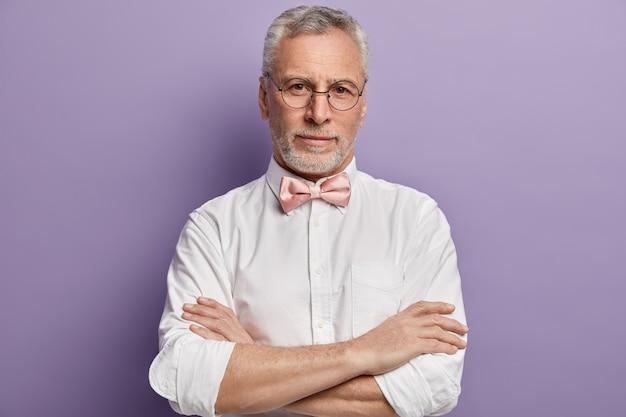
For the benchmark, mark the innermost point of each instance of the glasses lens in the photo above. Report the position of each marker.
(296, 93)
(343, 95)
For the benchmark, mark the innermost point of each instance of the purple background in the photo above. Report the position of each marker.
(118, 118)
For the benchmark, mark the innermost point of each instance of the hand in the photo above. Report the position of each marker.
(419, 329)
(216, 322)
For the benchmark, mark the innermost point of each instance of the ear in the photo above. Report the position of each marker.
(263, 99)
(363, 108)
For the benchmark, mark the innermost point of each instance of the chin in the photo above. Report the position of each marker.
(313, 163)
(317, 169)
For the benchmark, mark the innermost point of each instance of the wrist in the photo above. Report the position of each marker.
(356, 358)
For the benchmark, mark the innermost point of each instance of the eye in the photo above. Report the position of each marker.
(344, 90)
(297, 87)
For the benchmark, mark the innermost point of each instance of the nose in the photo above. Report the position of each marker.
(319, 111)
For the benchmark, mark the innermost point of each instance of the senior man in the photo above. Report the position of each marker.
(315, 289)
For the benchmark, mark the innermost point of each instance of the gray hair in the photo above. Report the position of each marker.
(313, 20)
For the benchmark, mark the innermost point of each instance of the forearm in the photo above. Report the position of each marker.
(360, 396)
(260, 378)
(263, 378)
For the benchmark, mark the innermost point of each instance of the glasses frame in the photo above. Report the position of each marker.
(313, 92)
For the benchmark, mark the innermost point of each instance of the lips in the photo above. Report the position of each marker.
(316, 140)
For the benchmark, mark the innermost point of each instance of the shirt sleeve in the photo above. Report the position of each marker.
(188, 369)
(429, 384)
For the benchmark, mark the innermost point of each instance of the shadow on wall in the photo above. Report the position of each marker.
(230, 148)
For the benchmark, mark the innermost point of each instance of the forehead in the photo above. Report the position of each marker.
(326, 57)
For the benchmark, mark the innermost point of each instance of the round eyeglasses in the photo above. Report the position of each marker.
(298, 93)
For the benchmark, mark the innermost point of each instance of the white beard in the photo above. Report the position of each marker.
(311, 160)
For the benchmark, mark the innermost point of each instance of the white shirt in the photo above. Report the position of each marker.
(319, 274)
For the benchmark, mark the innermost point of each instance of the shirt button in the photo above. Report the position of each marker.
(316, 223)
(320, 324)
(319, 271)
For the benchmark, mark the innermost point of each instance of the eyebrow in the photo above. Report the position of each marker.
(330, 81)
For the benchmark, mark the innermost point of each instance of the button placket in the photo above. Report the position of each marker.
(321, 291)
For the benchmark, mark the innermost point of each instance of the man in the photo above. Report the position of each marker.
(325, 298)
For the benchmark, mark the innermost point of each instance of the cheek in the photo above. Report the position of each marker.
(281, 120)
(278, 127)
(353, 127)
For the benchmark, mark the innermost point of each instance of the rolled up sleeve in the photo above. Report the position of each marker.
(429, 384)
(188, 373)
(188, 369)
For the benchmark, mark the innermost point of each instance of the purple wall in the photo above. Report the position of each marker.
(118, 118)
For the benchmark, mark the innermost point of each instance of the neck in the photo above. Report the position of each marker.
(313, 176)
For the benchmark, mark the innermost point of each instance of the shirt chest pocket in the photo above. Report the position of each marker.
(376, 295)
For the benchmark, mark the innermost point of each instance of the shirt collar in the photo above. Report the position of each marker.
(275, 172)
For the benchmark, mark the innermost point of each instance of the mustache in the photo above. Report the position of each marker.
(315, 132)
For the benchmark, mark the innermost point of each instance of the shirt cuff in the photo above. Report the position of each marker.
(421, 387)
(188, 372)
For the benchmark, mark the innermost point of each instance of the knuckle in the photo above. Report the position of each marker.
(220, 325)
(222, 315)
(417, 308)
(439, 333)
(206, 301)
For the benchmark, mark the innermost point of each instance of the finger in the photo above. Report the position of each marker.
(430, 307)
(437, 346)
(215, 305)
(447, 323)
(437, 340)
(199, 310)
(209, 310)
(450, 338)
(213, 323)
(210, 302)
(218, 322)
(206, 333)
(196, 318)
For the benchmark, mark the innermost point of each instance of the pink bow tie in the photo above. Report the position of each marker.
(294, 193)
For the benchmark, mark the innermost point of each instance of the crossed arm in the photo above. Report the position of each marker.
(322, 380)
